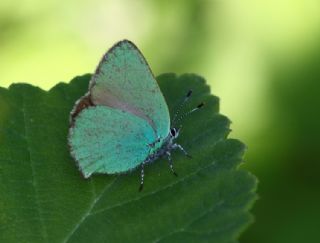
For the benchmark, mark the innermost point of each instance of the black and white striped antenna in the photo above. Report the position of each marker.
(180, 106)
(176, 118)
(183, 116)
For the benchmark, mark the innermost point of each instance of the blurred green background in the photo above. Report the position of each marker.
(262, 58)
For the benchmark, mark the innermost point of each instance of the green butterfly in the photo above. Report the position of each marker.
(123, 120)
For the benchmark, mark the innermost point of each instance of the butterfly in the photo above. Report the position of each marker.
(123, 121)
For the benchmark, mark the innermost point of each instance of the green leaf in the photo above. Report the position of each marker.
(45, 199)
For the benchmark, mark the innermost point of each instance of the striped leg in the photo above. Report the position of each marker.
(175, 146)
(142, 176)
(171, 163)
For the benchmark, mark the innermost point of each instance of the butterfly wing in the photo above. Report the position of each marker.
(107, 140)
(123, 80)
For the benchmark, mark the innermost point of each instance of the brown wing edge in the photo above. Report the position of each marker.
(82, 103)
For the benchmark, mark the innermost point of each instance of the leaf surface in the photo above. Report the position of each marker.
(45, 199)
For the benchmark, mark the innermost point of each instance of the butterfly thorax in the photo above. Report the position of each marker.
(163, 147)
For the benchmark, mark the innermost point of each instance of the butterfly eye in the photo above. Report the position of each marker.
(173, 132)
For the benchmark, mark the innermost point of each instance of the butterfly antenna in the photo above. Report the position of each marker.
(186, 98)
(189, 112)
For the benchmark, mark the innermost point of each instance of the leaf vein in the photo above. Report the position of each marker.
(33, 173)
(88, 212)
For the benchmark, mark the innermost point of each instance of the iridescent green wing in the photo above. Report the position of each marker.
(107, 140)
(123, 80)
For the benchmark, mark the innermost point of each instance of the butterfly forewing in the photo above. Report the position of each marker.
(123, 80)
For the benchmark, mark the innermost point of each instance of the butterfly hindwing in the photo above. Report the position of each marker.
(123, 80)
(108, 140)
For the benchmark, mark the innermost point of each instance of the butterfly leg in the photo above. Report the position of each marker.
(175, 146)
(142, 176)
(171, 163)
